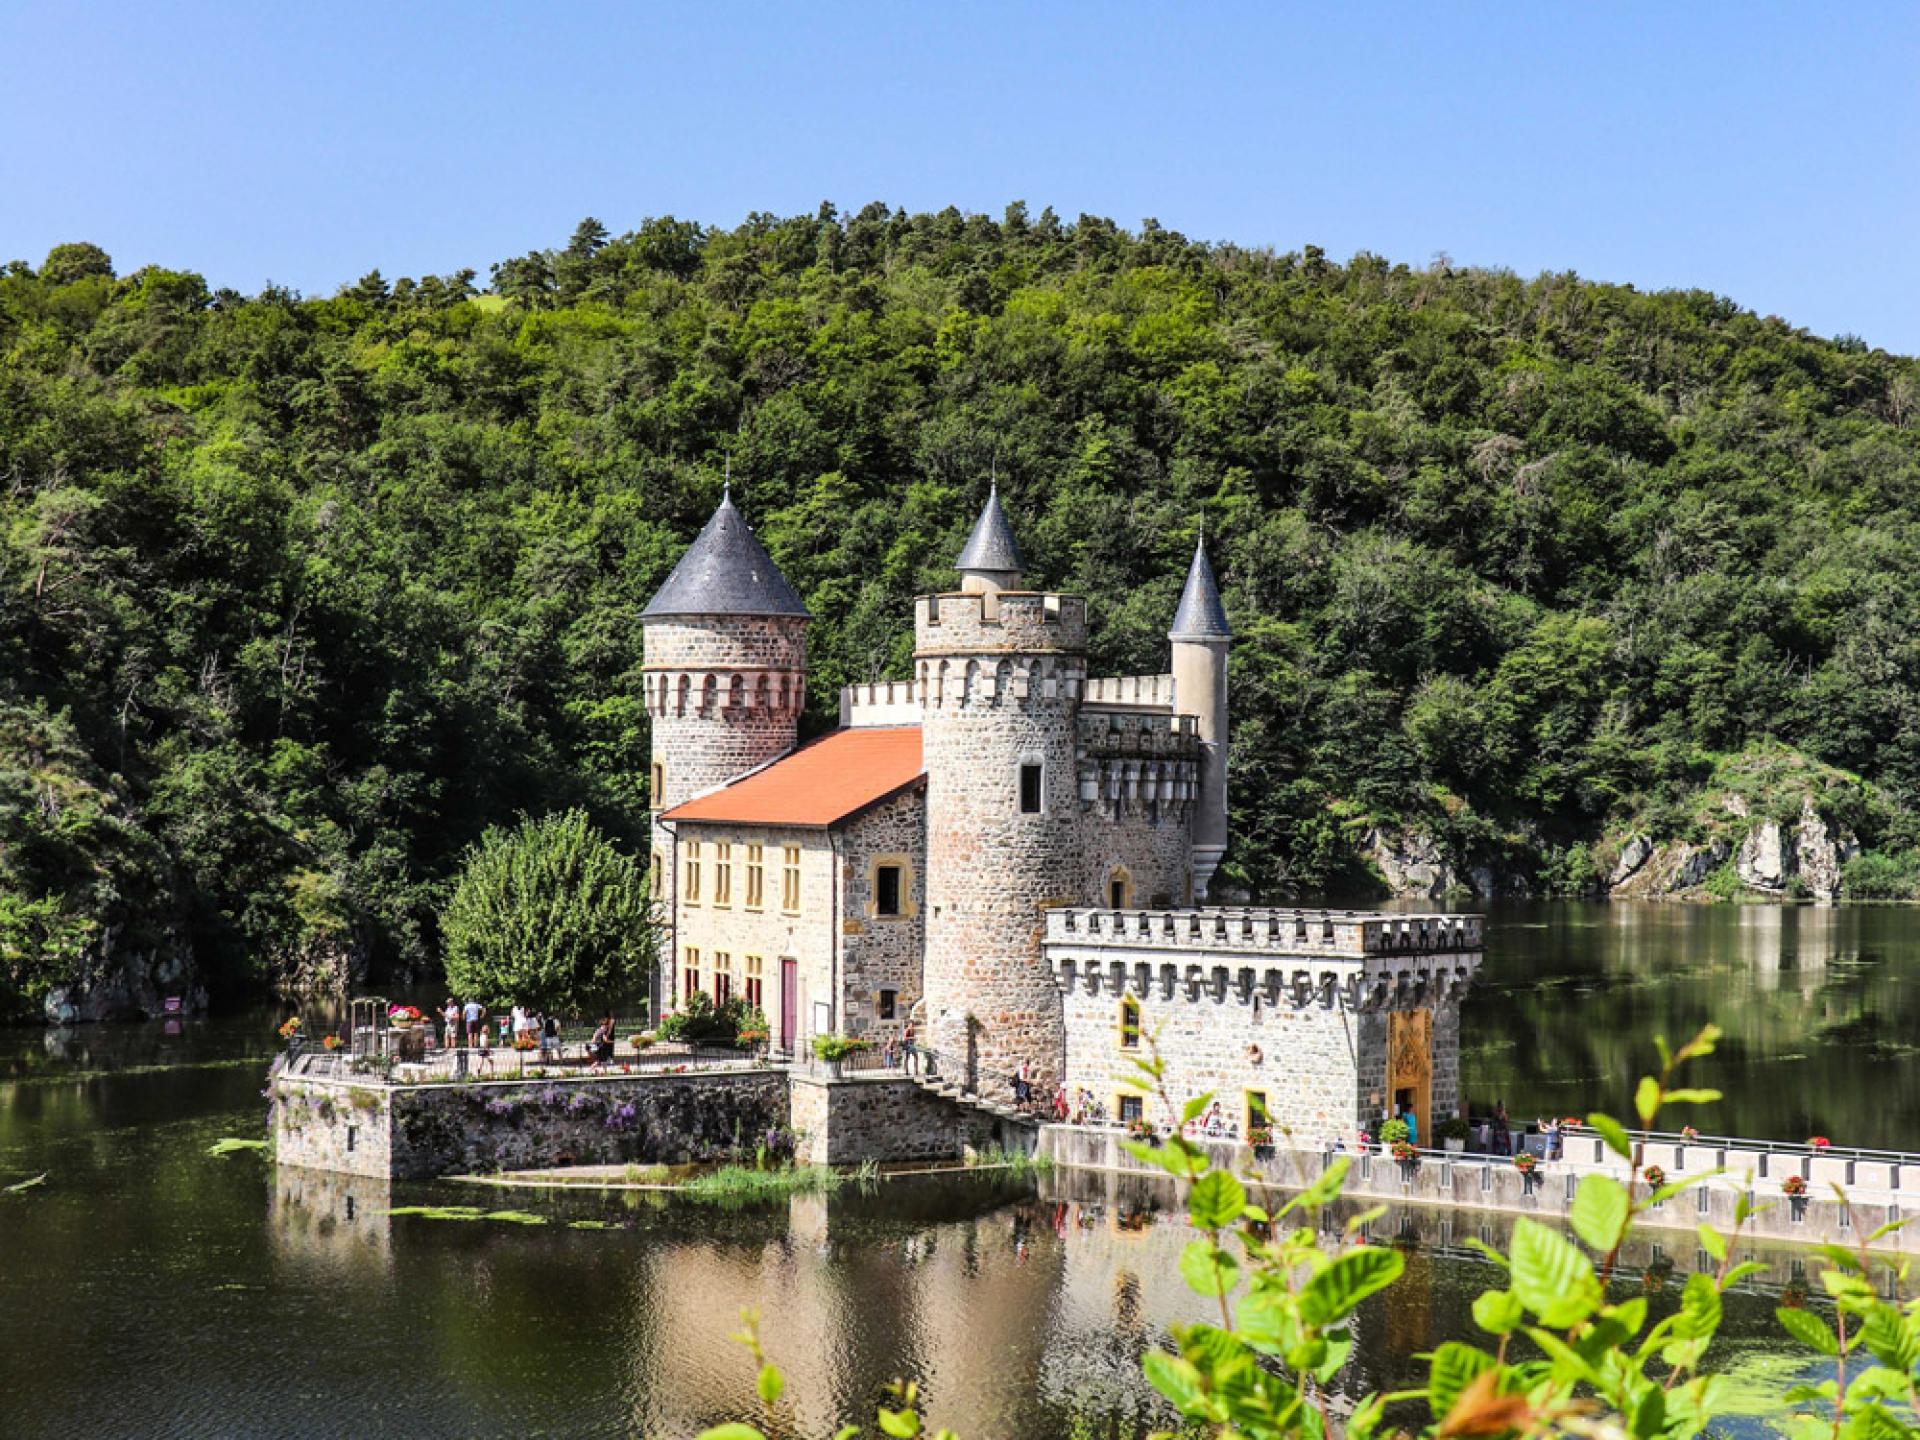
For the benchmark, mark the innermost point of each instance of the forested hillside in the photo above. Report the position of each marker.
(298, 595)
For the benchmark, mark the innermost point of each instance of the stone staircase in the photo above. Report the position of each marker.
(950, 1088)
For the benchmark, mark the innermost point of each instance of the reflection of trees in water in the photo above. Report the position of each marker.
(1809, 998)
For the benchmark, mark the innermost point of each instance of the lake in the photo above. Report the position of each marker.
(148, 1289)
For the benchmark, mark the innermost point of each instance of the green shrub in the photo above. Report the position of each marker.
(549, 914)
(1875, 875)
(837, 1047)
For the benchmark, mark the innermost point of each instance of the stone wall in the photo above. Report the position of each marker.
(769, 932)
(880, 952)
(421, 1132)
(861, 1118)
(1306, 1062)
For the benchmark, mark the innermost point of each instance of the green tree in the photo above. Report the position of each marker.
(549, 914)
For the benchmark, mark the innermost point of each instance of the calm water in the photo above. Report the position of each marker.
(149, 1290)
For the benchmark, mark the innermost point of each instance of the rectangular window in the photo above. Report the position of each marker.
(1116, 894)
(886, 890)
(722, 978)
(1129, 1023)
(756, 980)
(790, 879)
(888, 1000)
(723, 873)
(1132, 1108)
(1030, 792)
(653, 875)
(756, 875)
(690, 973)
(1257, 1121)
(690, 860)
(659, 785)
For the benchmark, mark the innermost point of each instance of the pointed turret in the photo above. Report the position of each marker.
(1200, 637)
(991, 560)
(1201, 616)
(726, 571)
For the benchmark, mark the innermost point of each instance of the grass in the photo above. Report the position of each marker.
(1017, 1163)
(743, 1183)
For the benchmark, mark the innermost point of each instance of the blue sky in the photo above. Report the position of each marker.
(1768, 152)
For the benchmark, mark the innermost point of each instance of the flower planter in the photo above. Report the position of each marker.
(1455, 1147)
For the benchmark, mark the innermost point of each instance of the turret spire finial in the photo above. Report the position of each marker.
(991, 559)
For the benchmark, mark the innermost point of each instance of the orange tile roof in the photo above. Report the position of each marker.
(818, 784)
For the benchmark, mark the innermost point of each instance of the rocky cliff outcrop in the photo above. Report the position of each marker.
(116, 981)
(1804, 856)
(1410, 863)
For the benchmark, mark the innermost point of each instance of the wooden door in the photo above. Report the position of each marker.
(1410, 1067)
(789, 1001)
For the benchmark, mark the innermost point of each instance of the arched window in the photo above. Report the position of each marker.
(1119, 889)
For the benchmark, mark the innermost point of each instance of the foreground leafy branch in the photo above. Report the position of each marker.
(1559, 1358)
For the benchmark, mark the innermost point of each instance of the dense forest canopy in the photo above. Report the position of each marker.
(298, 596)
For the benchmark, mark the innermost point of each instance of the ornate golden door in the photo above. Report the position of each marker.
(1410, 1066)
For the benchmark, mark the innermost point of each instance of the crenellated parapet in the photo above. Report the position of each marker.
(1003, 622)
(1265, 930)
(880, 702)
(1372, 983)
(1131, 692)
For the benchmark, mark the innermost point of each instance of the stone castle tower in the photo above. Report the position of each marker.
(725, 670)
(1000, 673)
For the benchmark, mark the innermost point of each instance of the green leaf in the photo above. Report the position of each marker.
(1194, 1108)
(1216, 1201)
(1614, 1133)
(1741, 1271)
(1552, 1276)
(1454, 1367)
(1692, 1097)
(1324, 1190)
(1498, 1312)
(735, 1431)
(901, 1424)
(1650, 1412)
(1208, 1269)
(1699, 1313)
(1337, 1291)
(771, 1384)
(1179, 1381)
(1808, 1329)
(1713, 1242)
(1600, 1211)
(1646, 1101)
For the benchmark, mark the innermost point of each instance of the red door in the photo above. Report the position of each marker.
(789, 1002)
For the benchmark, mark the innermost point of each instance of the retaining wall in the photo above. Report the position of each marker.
(422, 1131)
(1494, 1184)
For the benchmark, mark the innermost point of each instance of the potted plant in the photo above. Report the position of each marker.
(1794, 1187)
(642, 1040)
(1365, 1142)
(1394, 1132)
(1453, 1133)
(1261, 1138)
(404, 1017)
(1526, 1162)
(832, 1049)
(751, 1037)
(1141, 1129)
(1818, 1142)
(1406, 1153)
(1654, 1176)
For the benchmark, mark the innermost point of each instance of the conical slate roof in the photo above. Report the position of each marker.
(726, 571)
(1201, 615)
(991, 546)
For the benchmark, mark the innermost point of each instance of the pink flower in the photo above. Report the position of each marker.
(1819, 1142)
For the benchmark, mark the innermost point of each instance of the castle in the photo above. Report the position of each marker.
(1009, 853)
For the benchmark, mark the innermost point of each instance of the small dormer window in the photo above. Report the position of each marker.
(1031, 792)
